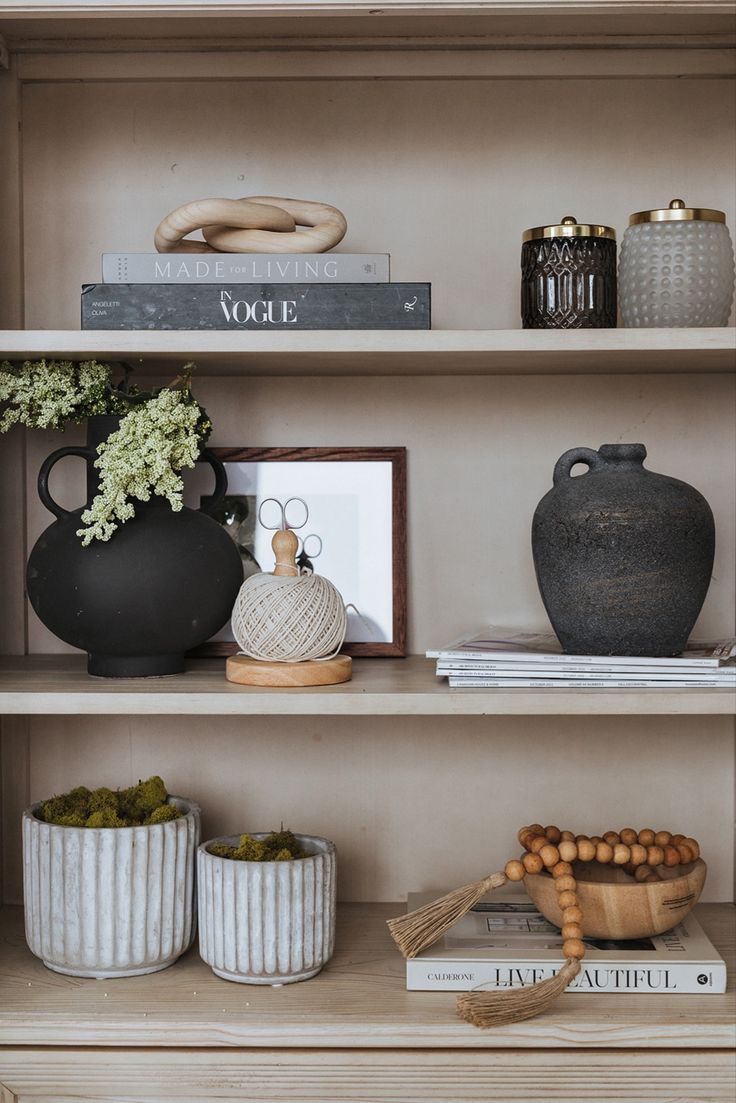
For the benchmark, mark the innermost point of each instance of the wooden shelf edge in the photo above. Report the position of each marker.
(377, 352)
(59, 685)
(359, 1000)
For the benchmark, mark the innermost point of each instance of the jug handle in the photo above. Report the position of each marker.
(43, 477)
(213, 500)
(568, 460)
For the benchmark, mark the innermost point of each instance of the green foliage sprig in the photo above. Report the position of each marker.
(161, 432)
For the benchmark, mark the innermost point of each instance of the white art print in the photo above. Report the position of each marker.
(349, 536)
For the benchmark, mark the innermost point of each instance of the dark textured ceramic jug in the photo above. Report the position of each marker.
(164, 582)
(623, 556)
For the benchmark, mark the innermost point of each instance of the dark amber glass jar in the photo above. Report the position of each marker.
(568, 276)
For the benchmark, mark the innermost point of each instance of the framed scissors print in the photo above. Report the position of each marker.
(348, 508)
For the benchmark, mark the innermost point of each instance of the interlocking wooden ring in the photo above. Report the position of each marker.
(326, 224)
(170, 236)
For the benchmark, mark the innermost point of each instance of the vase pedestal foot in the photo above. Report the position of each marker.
(134, 666)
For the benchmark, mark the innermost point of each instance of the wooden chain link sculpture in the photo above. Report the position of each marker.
(256, 224)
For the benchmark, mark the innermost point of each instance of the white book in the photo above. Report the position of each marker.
(509, 644)
(245, 268)
(720, 676)
(506, 943)
(585, 683)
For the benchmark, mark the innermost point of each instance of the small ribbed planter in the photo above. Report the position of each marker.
(110, 902)
(267, 922)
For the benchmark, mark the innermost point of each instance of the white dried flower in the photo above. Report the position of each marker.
(44, 394)
(144, 457)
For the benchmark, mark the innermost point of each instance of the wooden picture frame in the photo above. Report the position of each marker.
(397, 458)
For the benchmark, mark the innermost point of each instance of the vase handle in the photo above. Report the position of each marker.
(43, 477)
(213, 500)
(575, 455)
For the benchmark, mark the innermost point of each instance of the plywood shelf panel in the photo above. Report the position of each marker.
(380, 352)
(359, 1001)
(59, 685)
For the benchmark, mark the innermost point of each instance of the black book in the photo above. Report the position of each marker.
(256, 306)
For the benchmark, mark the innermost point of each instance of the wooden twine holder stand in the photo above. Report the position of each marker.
(245, 671)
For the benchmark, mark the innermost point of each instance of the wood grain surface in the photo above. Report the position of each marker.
(397, 1076)
(359, 1000)
(59, 685)
(436, 352)
(254, 672)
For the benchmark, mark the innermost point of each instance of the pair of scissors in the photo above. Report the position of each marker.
(304, 555)
(283, 507)
(305, 552)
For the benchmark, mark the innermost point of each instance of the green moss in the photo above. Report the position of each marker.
(141, 803)
(163, 814)
(221, 850)
(279, 846)
(71, 819)
(139, 800)
(283, 840)
(250, 850)
(106, 817)
(102, 798)
(51, 810)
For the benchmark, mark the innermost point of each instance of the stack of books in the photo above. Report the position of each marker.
(505, 943)
(252, 291)
(506, 658)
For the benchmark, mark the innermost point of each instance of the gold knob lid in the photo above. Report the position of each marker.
(569, 227)
(677, 211)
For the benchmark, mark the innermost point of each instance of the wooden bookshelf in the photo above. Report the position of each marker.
(380, 352)
(359, 1000)
(59, 685)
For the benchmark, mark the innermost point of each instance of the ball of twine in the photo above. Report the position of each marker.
(289, 619)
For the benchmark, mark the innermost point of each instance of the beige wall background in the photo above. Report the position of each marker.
(444, 176)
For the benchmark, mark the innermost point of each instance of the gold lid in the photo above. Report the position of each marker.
(569, 227)
(677, 212)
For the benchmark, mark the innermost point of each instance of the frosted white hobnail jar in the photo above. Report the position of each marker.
(676, 272)
(267, 922)
(110, 901)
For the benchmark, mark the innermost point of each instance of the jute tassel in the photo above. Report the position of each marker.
(513, 1005)
(413, 932)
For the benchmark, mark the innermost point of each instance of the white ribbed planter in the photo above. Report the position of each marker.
(267, 922)
(110, 902)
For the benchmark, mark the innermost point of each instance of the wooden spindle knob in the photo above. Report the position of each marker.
(285, 544)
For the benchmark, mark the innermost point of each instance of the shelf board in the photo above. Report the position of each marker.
(385, 352)
(59, 685)
(359, 1000)
(47, 22)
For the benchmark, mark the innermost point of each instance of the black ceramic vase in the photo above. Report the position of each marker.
(623, 556)
(164, 582)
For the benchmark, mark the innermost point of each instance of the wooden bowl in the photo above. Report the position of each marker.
(616, 906)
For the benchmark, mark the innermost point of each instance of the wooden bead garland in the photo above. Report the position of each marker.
(637, 853)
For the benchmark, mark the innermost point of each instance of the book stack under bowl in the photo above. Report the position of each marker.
(506, 943)
(252, 291)
(505, 658)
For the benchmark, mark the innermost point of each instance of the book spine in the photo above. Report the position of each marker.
(428, 975)
(256, 306)
(245, 268)
(590, 683)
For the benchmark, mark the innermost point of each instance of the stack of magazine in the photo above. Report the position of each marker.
(504, 942)
(506, 658)
(252, 291)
